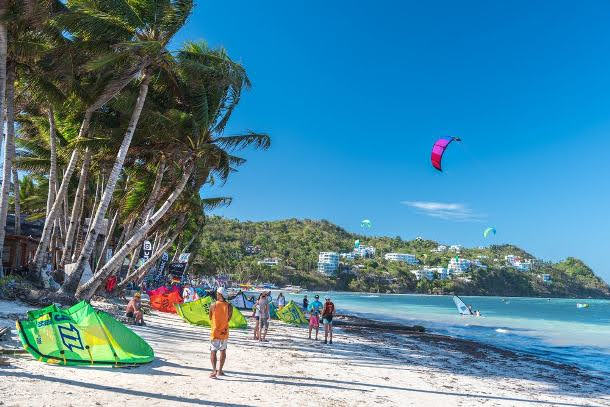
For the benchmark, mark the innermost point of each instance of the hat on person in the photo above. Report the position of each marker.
(327, 297)
(223, 291)
(317, 296)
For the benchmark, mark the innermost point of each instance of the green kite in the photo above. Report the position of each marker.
(198, 313)
(81, 335)
(292, 314)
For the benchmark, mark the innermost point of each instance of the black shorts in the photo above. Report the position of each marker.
(129, 314)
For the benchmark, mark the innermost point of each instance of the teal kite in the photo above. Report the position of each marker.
(488, 231)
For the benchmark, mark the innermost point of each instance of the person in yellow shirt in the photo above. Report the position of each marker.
(220, 314)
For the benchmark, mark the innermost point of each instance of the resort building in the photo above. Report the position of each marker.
(328, 262)
(455, 248)
(440, 248)
(349, 256)
(252, 249)
(424, 273)
(365, 251)
(403, 257)
(273, 261)
(477, 263)
(519, 263)
(459, 266)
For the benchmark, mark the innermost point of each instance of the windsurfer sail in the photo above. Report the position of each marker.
(463, 309)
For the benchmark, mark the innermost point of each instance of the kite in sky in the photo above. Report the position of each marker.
(488, 231)
(366, 224)
(439, 149)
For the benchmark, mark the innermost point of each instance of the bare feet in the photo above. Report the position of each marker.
(221, 373)
(213, 375)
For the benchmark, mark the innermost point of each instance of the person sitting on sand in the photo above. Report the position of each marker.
(281, 301)
(264, 316)
(314, 315)
(327, 319)
(134, 309)
(220, 315)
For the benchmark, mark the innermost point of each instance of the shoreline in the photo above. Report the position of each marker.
(363, 365)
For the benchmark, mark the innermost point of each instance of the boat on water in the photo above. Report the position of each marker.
(464, 309)
(582, 305)
(292, 289)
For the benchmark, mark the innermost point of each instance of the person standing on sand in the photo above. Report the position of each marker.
(314, 316)
(256, 314)
(264, 315)
(220, 314)
(327, 319)
(281, 301)
(305, 303)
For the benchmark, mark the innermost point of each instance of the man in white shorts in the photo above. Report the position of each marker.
(220, 314)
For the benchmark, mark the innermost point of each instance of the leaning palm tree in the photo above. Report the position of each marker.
(153, 25)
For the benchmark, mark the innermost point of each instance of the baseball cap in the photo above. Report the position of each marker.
(327, 297)
(223, 291)
(317, 296)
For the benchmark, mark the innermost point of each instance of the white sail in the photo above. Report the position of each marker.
(462, 308)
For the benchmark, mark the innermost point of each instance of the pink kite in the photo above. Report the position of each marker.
(439, 149)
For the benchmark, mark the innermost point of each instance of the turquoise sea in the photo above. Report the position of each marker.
(552, 329)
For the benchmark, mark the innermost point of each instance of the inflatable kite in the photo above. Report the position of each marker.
(165, 302)
(366, 224)
(439, 149)
(198, 313)
(292, 314)
(241, 301)
(81, 335)
(488, 231)
(163, 290)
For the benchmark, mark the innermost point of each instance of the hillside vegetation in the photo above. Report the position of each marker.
(296, 243)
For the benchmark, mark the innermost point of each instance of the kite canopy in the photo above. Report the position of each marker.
(241, 301)
(166, 302)
(488, 231)
(439, 149)
(366, 224)
(292, 314)
(198, 313)
(163, 290)
(81, 335)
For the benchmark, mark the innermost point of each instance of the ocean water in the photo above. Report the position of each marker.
(552, 329)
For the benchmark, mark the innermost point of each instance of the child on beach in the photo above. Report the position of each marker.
(314, 315)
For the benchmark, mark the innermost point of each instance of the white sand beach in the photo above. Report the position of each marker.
(358, 369)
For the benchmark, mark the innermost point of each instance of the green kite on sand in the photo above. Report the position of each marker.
(198, 313)
(81, 335)
(292, 314)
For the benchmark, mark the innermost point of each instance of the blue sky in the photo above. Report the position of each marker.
(354, 94)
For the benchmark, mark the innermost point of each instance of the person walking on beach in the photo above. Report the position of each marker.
(281, 301)
(264, 316)
(220, 314)
(314, 315)
(134, 309)
(305, 303)
(327, 319)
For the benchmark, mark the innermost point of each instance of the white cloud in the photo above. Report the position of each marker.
(448, 211)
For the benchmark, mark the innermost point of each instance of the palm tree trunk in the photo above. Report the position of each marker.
(17, 203)
(71, 283)
(102, 259)
(87, 290)
(53, 169)
(9, 153)
(141, 272)
(76, 209)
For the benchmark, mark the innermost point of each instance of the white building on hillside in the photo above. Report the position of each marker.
(404, 257)
(458, 266)
(349, 256)
(519, 263)
(440, 248)
(477, 263)
(455, 248)
(274, 261)
(328, 262)
(424, 273)
(365, 251)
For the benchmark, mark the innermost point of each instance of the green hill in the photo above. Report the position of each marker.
(235, 248)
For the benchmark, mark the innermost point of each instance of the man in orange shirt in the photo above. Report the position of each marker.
(220, 314)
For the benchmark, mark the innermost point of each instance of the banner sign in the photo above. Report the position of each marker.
(184, 257)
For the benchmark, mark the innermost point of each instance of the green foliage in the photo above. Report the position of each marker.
(297, 244)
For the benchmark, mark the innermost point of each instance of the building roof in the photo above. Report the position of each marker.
(28, 228)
